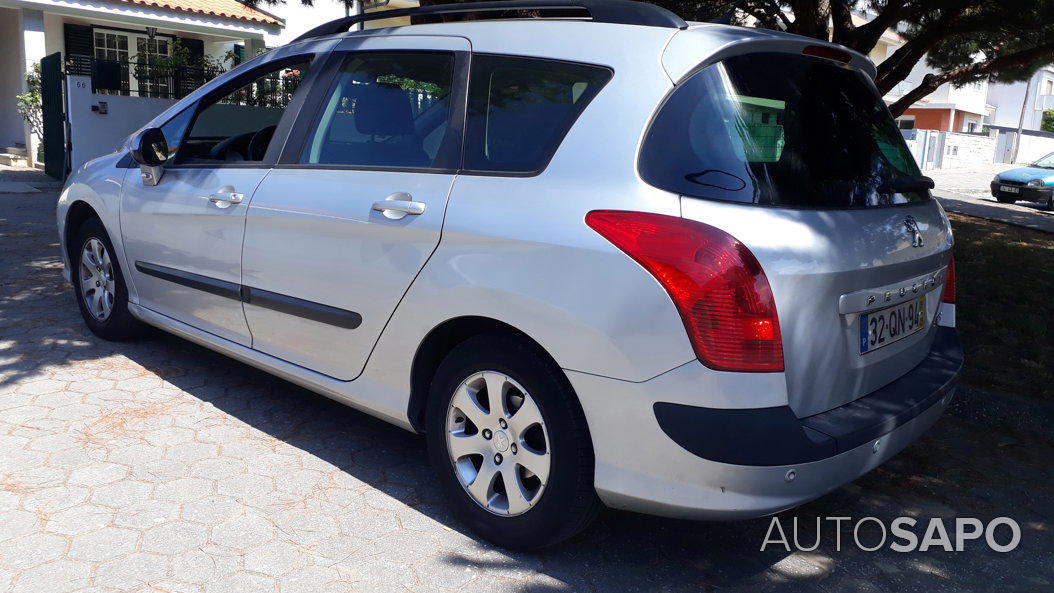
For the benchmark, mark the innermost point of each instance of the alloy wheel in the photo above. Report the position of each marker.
(97, 284)
(498, 443)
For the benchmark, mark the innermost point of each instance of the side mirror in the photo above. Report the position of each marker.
(150, 150)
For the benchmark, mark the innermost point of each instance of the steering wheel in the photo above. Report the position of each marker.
(258, 145)
(237, 144)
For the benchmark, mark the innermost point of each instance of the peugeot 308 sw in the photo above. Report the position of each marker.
(599, 256)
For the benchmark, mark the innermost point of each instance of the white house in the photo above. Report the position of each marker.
(115, 31)
(948, 109)
(1009, 100)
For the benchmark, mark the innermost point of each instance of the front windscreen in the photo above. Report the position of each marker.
(782, 130)
(1046, 162)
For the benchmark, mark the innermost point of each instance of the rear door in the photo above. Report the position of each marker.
(342, 225)
(798, 158)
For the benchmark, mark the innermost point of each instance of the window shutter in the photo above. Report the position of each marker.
(79, 48)
(196, 47)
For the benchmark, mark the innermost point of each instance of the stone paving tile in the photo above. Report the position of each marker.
(158, 466)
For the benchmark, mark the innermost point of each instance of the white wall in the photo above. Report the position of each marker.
(964, 150)
(227, 120)
(93, 134)
(1008, 98)
(11, 129)
(1034, 147)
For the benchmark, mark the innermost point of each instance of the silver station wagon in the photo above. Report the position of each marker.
(599, 256)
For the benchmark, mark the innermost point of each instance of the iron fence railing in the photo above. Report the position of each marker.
(140, 78)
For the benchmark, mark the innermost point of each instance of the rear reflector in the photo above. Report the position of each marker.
(831, 53)
(715, 282)
(949, 284)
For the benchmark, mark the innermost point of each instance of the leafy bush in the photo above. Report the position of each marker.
(1048, 121)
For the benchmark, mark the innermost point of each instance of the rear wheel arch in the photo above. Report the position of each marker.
(439, 342)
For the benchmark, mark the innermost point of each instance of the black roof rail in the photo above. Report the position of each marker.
(623, 12)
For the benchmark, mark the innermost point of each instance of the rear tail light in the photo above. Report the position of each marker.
(949, 284)
(716, 283)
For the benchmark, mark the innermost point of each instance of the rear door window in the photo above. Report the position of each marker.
(519, 110)
(386, 109)
(782, 130)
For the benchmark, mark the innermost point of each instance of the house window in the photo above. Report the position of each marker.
(971, 126)
(154, 79)
(128, 63)
(1048, 87)
(906, 122)
(111, 54)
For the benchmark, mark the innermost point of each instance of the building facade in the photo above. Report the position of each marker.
(110, 40)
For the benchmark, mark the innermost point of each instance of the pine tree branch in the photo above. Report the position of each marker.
(865, 37)
(842, 21)
(899, 65)
(1039, 54)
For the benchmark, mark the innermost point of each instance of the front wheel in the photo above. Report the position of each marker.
(99, 285)
(510, 443)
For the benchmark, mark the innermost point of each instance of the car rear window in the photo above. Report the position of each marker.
(782, 130)
(519, 110)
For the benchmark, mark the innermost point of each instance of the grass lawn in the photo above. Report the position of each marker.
(1005, 284)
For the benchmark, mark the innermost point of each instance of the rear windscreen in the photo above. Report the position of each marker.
(781, 130)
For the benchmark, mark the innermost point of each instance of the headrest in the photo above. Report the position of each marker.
(383, 110)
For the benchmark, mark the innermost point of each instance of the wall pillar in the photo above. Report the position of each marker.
(31, 50)
(253, 46)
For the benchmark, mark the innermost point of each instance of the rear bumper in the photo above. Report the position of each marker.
(1028, 194)
(687, 461)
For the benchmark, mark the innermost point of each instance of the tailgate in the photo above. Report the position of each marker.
(823, 266)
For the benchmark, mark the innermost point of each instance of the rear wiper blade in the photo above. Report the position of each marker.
(903, 184)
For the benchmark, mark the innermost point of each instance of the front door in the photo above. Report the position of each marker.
(183, 236)
(342, 225)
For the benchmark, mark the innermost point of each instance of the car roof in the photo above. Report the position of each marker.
(610, 44)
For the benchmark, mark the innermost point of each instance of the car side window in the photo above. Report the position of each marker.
(238, 125)
(519, 110)
(386, 110)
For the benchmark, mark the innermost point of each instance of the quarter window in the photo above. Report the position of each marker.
(386, 109)
(519, 110)
(781, 130)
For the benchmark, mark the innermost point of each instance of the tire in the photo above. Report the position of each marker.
(116, 324)
(566, 501)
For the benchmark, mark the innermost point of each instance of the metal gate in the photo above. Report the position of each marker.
(55, 149)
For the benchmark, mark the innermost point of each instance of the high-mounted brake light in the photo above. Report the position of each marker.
(716, 283)
(949, 284)
(831, 53)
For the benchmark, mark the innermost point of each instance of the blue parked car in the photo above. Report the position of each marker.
(1034, 183)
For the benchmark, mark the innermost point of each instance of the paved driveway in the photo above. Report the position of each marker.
(160, 466)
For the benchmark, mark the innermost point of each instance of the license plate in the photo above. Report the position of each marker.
(882, 328)
(1010, 189)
